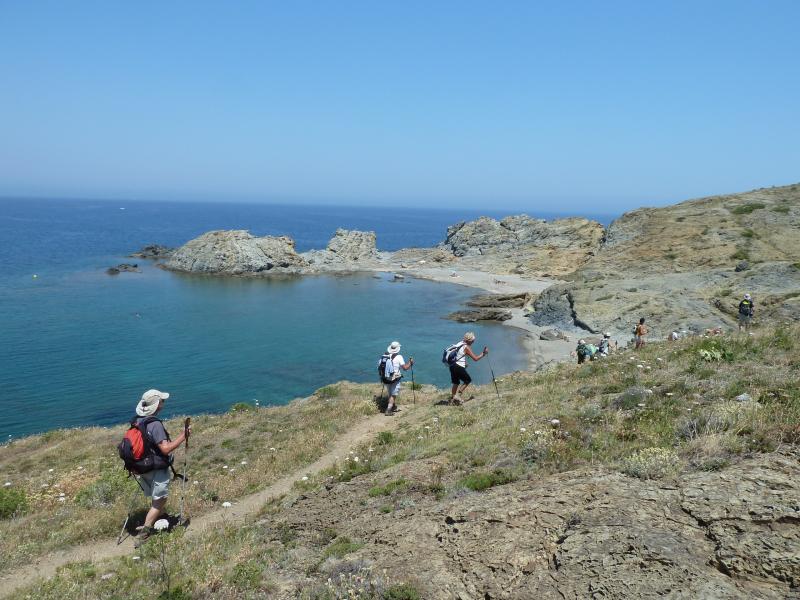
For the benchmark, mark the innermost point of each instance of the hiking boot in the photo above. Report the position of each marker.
(142, 536)
(395, 408)
(389, 413)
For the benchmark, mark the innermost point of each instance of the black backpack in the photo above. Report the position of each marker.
(137, 451)
(450, 354)
(385, 359)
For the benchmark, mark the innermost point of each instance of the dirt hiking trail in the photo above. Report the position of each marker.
(46, 566)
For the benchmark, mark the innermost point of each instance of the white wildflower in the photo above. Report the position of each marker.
(7, 484)
(305, 478)
(522, 429)
(61, 499)
(136, 558)
(161, 524)
(356, 459)
(50, 470)
(370, 450)
(244, 462)
(226, 504)
(648, 367)
(272, 449)
(660, 359)
(44, 485)
(640, 366)
(537, 432)
(427, 426)
(555, 422)
(669, 394)
(225, 466)
(640, 405)
(196, 482)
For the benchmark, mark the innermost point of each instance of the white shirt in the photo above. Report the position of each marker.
(398, 361)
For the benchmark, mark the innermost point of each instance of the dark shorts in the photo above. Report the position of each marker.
(459, 374)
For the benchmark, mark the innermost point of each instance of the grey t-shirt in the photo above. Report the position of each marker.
(155, 431)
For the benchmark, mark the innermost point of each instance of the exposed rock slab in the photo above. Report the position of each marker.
(154, 252)
(480, 314)
(347, 250)
(237, 253)
(584, 534)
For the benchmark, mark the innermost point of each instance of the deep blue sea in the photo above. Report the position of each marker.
(78, 347)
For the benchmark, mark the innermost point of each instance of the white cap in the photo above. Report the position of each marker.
(393, 348)
(149, 403)
(747, 296)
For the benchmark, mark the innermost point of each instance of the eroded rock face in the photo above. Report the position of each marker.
(584, 534)
(347, 250)
(479, 314)
(236, 253)
(522, 245)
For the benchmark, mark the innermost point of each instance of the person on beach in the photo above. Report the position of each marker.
(458, 365)
(640, 332)
(393, 371)
(155, 483)
(582, 352)
(746, 310)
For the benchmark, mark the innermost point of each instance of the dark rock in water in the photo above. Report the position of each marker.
(480, 314)
(398, 277)
(742, 266)
(499, 300)
(123, 268)
(154, 251)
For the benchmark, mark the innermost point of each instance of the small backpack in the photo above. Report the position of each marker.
(386, 370)
(450, 354)
(138, 454)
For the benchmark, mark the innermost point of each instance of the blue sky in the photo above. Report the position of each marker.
(572, 106)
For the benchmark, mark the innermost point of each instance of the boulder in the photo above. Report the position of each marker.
(499, 300)
(154, 251)
(347, 251)
(237, 253)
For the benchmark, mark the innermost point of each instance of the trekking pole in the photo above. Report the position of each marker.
(185, 460)
(413, 385)
(491, 370)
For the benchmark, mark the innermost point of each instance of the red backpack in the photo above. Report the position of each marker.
(137, 452)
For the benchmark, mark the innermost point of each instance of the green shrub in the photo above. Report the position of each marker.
(112, 484)
(388, 489)
(746, 209)
(241, 407)
(340, 547)
(715, 351)
(13, 502)
(385, 438)
(329, 391)
(484, 480)
(651, 463)
(748, 233)
(246, 575)
(741, 254)
(401, 592)
(784, 210)
(415, 386)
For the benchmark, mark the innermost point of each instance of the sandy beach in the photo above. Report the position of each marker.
(539, 352)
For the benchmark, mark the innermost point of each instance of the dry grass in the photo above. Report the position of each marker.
(82, 465)
(665, 410)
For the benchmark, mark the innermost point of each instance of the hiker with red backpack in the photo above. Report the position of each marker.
(147, 452)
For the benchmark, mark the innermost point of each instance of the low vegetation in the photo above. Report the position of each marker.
(698, 404)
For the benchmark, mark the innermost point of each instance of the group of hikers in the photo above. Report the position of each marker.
(392, 364)
(147, 448)
(586, 351)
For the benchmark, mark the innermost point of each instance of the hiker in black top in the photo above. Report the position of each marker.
(155, 483)
(746, 310)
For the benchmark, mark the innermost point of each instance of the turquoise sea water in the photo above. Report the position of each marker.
(79, 347)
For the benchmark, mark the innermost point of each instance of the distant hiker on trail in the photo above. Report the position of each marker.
(390, 368)
(639, 333)
(746, 310)
(582, 351)
(154, 475)
(604, 346)
(455, 357)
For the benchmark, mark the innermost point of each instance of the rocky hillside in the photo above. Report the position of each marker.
(523, 245)
(669, 472)
(687, 266)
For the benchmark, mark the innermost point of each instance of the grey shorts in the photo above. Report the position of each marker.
(155, 483)
(744, 319)
(394, 388)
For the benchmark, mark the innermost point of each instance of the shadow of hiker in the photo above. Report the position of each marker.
(381, 401)
(136, 520)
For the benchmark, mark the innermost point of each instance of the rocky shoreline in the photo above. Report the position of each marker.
(683, 267)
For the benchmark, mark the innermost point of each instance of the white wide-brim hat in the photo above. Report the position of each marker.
(393, 348)
(148, 405)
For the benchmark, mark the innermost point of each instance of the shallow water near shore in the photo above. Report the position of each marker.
(79, 346)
